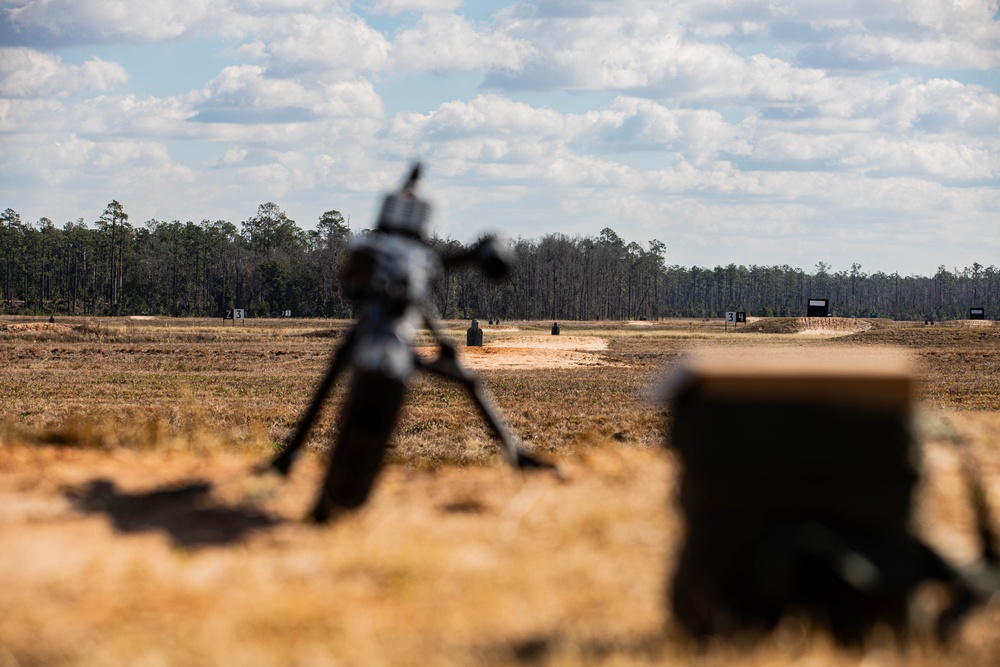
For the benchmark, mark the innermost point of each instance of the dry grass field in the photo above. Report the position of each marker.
(133, 530)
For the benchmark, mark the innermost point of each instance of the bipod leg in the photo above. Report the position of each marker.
(282, 463)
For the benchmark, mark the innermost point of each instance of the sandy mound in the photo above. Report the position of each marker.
(550, 342)
(968, 324)
(530, 352)
(824, 326)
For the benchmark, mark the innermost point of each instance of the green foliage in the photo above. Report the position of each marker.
(269, 264)
(274, 281)
(332, 227)
(271, 230)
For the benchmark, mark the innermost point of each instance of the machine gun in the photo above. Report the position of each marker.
(390, 276)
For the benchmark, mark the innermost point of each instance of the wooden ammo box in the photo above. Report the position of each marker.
(798, 473)
(785, 430)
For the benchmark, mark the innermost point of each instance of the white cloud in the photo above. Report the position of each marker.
(636, 124)
(233, 156)
(328, 41)
(131, 116)
(651, 54)
(934, 33)
(70, 159)
(737, 128)
(941, 105)
(246, 94)
(940, 160)
(112, 20)
(246, 86)
(350, 99)
(674, 51)
(393, 7)
(493, 130)
(285, 6)
(450, 42)
(29, 116)
(29, 73)
(485, 115)
(592, 52)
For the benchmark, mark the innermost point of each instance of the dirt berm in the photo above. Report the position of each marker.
(810, 325)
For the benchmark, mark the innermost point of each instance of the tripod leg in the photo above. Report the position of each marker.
(365, 427)
(515, 455)
(282, 463)
(447, 366)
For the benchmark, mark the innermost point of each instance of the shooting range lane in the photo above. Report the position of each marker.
(446, 565)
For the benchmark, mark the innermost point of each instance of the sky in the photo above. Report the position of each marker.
(763, 132)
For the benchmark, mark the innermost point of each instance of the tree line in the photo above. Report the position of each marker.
(269, 264)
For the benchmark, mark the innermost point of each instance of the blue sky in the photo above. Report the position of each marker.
(758, 132)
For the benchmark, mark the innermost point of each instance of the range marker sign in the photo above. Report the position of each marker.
(233, 314)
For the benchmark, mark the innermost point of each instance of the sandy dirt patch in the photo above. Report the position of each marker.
(549, 342)
(827, 332)
(527, 358)
(531, 352)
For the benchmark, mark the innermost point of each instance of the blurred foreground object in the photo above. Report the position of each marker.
(798, 475)
(390, 275)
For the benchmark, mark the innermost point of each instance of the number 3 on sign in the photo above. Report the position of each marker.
(731, 316)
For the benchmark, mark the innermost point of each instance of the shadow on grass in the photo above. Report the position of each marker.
(184, 512)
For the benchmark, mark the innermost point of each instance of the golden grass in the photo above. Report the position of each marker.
(456, 560)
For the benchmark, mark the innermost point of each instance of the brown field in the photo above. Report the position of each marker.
(133, 530)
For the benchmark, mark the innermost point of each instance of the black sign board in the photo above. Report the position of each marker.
(977, 313)
(741, 316)
(818, 308)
